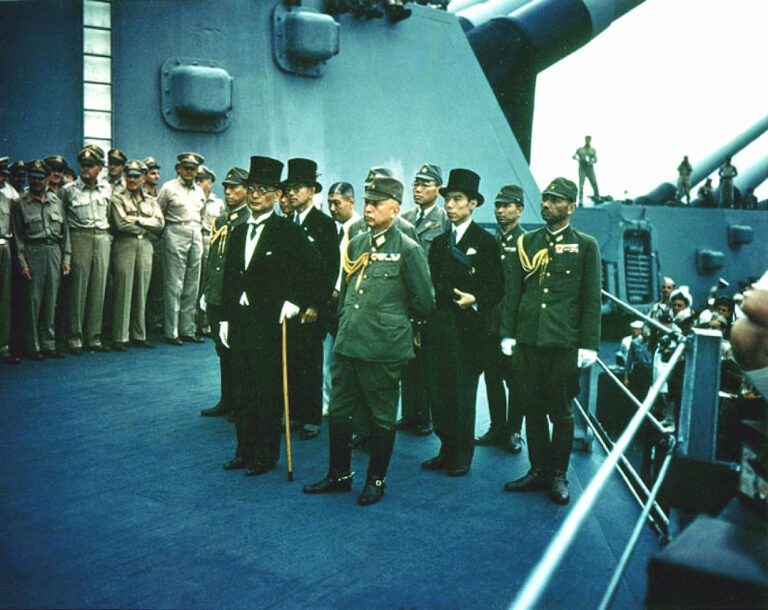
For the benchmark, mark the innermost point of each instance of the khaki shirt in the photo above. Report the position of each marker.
(147, 213)
(41, 222)
(6, 232)
(181, 203)
(86, 207)
(212, 209)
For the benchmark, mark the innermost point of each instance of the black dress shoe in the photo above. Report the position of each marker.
(215, 411)
(236, 463)
(309, 432)
(458, 472)
(558, 492)
(99, 348)
(53, 353)
(174, 341)
(38, 356)
(192, 339)
(256, 468)
(533, 480)
(333, 482)
(423, 429)
(435, 463)
(76, 351)
(143, 343)
(372, 493)
(120, 346)
(492, 437)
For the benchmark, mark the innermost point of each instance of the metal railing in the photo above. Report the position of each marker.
(542, 573)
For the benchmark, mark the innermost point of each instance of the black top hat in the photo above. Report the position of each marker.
(465, 181)
(265, 171)
(303, 171)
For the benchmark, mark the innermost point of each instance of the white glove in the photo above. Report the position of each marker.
(508, 346)
(288, 311)
(202, 302)
(586, 358)
(224, 333)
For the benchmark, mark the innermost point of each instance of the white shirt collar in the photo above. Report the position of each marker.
(429, 209)
(461, 229)
(303, 215)
(259, 220)
(559, 230)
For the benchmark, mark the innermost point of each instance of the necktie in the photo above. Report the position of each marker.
(253, 230)
(341, 233)
(420, 217)
(296, 219)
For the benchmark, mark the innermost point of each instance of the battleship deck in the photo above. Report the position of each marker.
(112, 495)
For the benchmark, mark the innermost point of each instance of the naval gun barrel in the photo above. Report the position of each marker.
(701, 169)
(512, 50)
(753, 176)
(480, 13)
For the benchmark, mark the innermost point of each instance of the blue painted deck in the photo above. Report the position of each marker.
(112, 495)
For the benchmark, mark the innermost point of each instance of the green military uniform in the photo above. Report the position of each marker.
(553, 312)
(386, 284)
(213, 280)
(506, 414)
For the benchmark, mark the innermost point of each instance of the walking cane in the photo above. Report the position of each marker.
(286, 407)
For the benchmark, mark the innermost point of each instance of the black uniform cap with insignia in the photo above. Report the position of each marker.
(151, 163)
(430, 171)
(237, 176)
(91, 155)
(510, 193)
(115, 156)
(382, 188)
(56, 163)
(191, 157)
(18, 168)
(4, 169)
(134, 167)
(37, 169)
(563, 188)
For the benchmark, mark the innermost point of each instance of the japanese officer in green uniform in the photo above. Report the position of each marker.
(386, 284)
(554, 320)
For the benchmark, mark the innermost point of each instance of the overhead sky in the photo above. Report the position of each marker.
(670, 78)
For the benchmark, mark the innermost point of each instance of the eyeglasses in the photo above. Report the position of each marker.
(262, 189)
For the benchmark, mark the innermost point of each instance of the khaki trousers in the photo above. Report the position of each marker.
(131, 270)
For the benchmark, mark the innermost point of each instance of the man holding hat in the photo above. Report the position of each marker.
(135, 215)
(86, 201)
(466, 272)
(57, 166)
(306, 334)
(386, 284)
(429, 221)
(182, 202)
(116, 160)
(553, 323)
(505, 411)
(43, 248)
(271, 273)
(236, 195)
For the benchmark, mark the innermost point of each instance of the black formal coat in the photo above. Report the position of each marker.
(285, 266)
(321, 231)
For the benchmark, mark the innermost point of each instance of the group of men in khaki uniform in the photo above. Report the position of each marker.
(102, 234)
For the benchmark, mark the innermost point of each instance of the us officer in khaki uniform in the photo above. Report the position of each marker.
(236, 195)
(135, 216)
(386, 283)
(182, 202)
(86, 201)
(43, 247)
(6, 236)
(554, 319)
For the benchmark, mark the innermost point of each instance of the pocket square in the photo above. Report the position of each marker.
(471, 251)
(268, 253)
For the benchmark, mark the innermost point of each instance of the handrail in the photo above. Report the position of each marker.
(561, 542)
(648, 320)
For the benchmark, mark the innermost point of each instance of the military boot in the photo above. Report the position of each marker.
(339, 477)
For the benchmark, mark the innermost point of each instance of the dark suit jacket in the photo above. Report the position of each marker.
(484, 279)
(321, 231)
(558, 306)
(284, 267)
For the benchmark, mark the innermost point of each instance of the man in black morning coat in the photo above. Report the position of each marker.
(466, 271)
(307, 331)
(272, 272)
